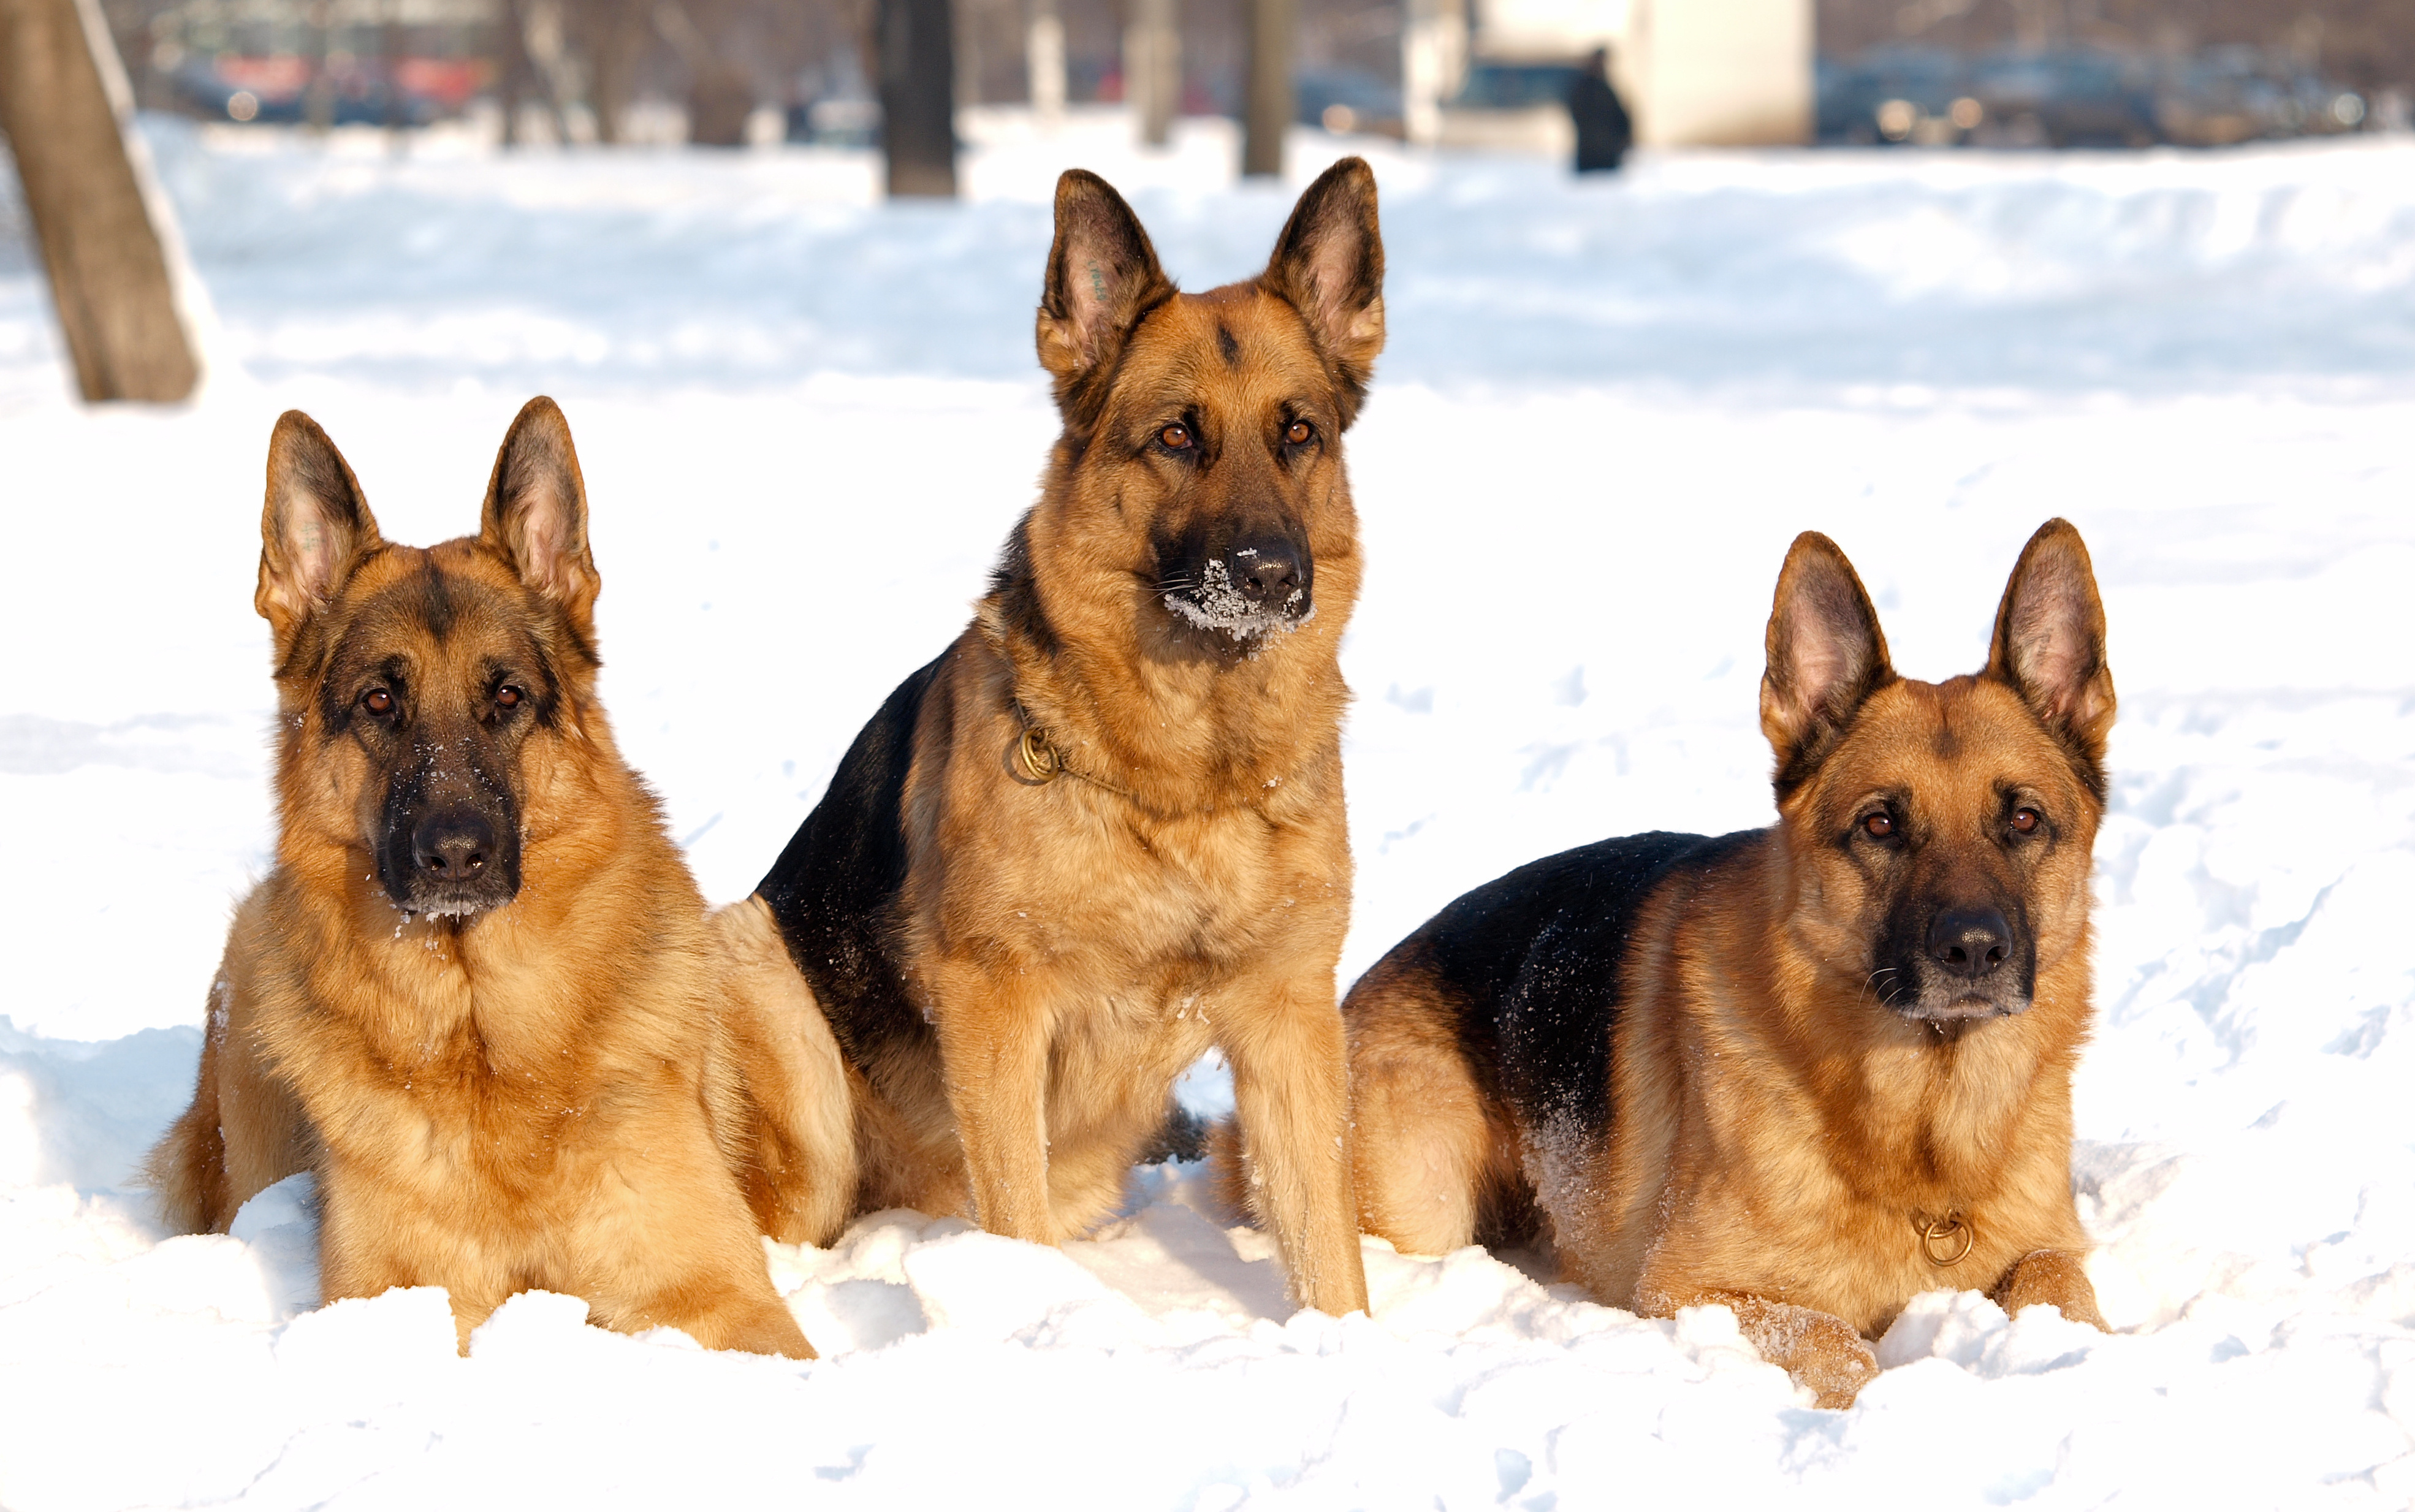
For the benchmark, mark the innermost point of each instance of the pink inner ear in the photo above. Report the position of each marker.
(2049, 636)
(1090, 287)
(543, 525)
(309, 546)
(1330, 268)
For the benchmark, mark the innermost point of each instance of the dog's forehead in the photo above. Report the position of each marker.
(1236, 334)
(1955, 745)
(449, 604)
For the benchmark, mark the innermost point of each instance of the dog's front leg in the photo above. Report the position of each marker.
(373, 1239)
(1291, 1092)
(993, 1023)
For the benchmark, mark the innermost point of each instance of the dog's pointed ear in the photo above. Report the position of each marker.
(314, 524)
(2049, 642)
(1827, 656)
(1328, 264)
(1102, 277)
(536, 512)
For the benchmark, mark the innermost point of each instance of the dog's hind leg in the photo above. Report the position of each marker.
(784, 1112)
(1435, 1162)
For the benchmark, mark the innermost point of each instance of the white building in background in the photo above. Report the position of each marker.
(1693, 72)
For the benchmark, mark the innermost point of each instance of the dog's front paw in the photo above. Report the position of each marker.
(1833, 1367)
(1834, 1361)
(2055, 1277)
(1819, 1350)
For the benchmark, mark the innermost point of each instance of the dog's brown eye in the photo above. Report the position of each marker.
(1299, 433)
(508, 698)
(1174, 438)
(1877, 826)
(378, 701)
(2025, 821)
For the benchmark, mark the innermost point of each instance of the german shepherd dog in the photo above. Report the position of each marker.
(478, 995)
(1104, 830)
(1807, 1071)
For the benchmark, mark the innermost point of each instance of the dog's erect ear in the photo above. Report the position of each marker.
(1328, 262)
(1827, 656)
(313, 526)
(1102, 277)
(2049, 642)
(536, 512)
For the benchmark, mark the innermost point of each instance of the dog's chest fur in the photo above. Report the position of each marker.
(446, 1062)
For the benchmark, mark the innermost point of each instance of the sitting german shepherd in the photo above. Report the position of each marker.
(478, 996)
(1808, 1071)
(1104, 829)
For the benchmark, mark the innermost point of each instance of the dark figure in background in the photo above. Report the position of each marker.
(1604, 129)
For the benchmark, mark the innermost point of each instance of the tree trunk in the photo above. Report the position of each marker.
(918, 115)
(1043, 64)
(1269, 111)
(616, 41)
(1152, 69)
(69, 114)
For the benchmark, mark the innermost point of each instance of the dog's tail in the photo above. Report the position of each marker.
(187, 1167)
(1183, 1136)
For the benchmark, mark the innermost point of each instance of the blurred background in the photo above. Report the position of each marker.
(1487, 73)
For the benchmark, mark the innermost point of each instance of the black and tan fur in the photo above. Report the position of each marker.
(478, 996)
(1808, 1071)
(1017, 967)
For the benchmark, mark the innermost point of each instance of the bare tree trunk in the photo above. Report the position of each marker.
(1267, 113)
(515, 70)
(918, 115)
(391, 47)
(1152, 69)
(319, 97)
(68, 112)
(1044, 55)
(618, 36)
(720, 95)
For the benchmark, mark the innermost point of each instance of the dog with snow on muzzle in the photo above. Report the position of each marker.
(1104, 831)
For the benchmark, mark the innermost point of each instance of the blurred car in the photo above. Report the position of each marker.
(842, 121)
(2236, 94)
(1347, 99)
(2075, 98)
(277, 88)
(1893, 96)
(1514, 104)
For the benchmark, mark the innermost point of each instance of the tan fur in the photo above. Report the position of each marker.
(1777, 1137)
(1077, 944)
(563, 1092)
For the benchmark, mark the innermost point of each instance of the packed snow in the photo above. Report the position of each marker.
(807, 419)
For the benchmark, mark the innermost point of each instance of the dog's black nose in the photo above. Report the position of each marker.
(1266, 572)
(452, 847)
(1970, 942)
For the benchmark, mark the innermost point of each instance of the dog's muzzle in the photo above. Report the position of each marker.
(451, 862)
(1252, 589)
(1972, 965)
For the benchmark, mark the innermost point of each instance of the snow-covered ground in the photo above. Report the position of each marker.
(807, 419)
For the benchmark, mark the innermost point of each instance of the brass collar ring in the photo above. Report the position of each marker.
(1037, 757)
(1946, 1241)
